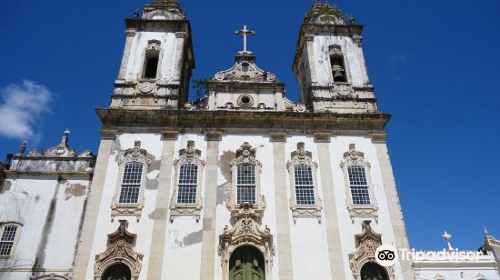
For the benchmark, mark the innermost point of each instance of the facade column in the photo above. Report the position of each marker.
(179, 55)
(282, 208)
(84, 248)
(330, 206)
(361, 56)
(208, 247)
(157, 251)
(391, 193)
(126, 54)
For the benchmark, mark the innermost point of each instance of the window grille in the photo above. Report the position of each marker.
(304, 186)
(7, 240)
(188, 180)
(359, 185)
(245, 184)
(131, 184)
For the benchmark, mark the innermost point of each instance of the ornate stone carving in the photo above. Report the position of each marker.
(301, 156)
(120, 249)
(367, 243)
(164, 10)
(324, 13)
(300, 108)
(146, 87)
(342, 89)
(335, 50)
(189, 155)
(135, 154)
(246, 154)
(354, 157)
(61, 150)
(246, 231)
(245, 70)
(154, 45)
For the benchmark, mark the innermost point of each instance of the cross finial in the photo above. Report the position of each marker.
(245, 33)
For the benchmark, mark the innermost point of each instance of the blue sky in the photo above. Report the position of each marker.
(434, 65)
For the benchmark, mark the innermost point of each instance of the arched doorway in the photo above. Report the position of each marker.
(117, 272)
(246, 263)
(373, 271)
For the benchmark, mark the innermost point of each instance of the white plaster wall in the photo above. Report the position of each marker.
(137, 53)
(348, 229)
(142, 227)
(308, 236)
(184, 234)
(322, 60)
(264, 152)
(28, 202)
(461, 271)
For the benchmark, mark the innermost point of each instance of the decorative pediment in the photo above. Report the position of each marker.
(61, 150)
(164, 10)
(246, 154)
(367, 243)
(301, 156)
(354, 157)
(246, 231)
(245, 70)
(134, 154)
(120, 249)
(189, 155)
(324, 13)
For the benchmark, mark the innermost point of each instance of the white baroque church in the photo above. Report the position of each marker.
(240, 184)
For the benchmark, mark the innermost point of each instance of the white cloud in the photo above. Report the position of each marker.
(22, 107)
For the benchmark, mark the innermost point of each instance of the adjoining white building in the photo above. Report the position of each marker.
(241, 184)
(484, 266)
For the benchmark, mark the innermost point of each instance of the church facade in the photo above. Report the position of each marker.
(240, 184)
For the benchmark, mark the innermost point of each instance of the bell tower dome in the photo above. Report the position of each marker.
(329, 63)
(157, 60)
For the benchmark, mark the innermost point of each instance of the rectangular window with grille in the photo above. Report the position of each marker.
(359, 185)
(7, 240)
(188, 181)
(131, 183)
(245, 184)
(304, 186)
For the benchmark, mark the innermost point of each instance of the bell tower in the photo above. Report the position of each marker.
(157, 60)
(329, 63)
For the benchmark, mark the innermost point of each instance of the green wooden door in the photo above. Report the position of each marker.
(373, 271)
(117, 272)
(246, 263)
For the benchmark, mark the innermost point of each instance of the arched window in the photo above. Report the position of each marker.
(129, 195)
(358, 185)
(373, 271)
(131, 183)
(246, 187)
(245, 184)
(246, 263)
(361, 202)
(305, 201)
(337, 64)
(117, 272)
(186, 199)
(151, 60)
(9, 235)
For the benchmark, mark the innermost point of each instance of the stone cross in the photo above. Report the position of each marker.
(245, 33)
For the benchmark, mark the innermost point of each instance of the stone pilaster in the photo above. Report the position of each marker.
(391, 193)
(179, 55)
(209, 207)
(126, 54)
(282, 208)
(92, 209)
(158, 238)
(330, 206)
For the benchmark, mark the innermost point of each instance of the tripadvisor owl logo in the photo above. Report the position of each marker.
(386, 255)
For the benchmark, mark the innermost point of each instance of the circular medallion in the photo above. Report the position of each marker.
(146, 87)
